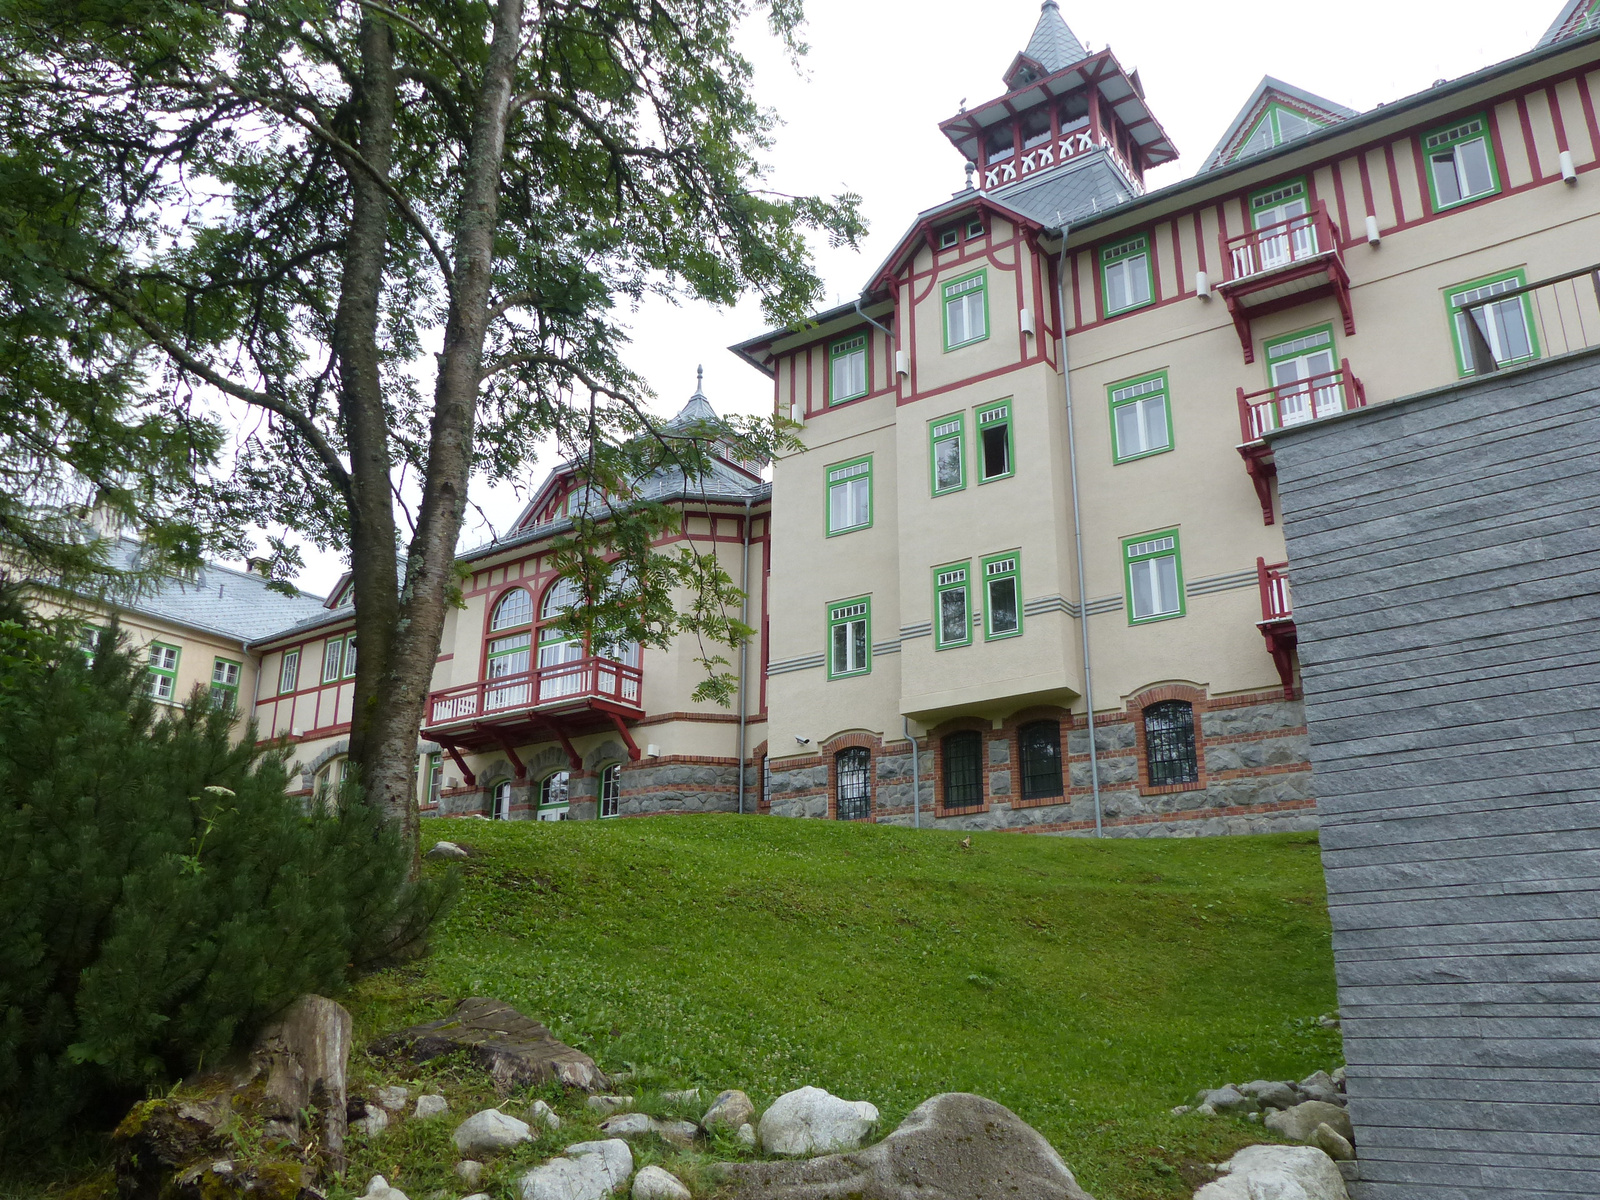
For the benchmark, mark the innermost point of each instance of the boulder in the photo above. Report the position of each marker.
(608, 1103)
(1333, 1143)
(470, 1171)
(588, 1171)
(653, 1183)
(811, 1121)
(746, 1134)
(393, 1098)
(627, 1125)
(490, 1132)
(1229, 1100)
(432, 1105)
(1301, 1121)
(954, 1146)
(1338, 1077)
(374, 1123)
(378, 1189)
(542, 1112)
(1320, 1086)
(686, 1096)
(1271, 1093)
(515, 1050)
(683, 1133)
(448, 850)
(1277, 1173)
(732, 1108)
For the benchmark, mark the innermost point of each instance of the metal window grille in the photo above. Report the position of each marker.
(1169, 744)
(1040, 746)
(963, 769)
(853, 783)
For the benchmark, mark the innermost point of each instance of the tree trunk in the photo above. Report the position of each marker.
(399, 702)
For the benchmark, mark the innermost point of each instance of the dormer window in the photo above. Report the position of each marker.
(949, 238)
(1000, 145)
(974, 229)
(1277, 126)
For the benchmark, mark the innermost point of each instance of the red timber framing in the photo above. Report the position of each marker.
(1298, 403)
(1282, 266)
(1277, 620)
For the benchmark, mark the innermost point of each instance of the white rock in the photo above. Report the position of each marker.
(1277, 1173)
(652, 1183)
(446, 850)
(378, 1189)
(810, 1121)
(1205, 1110)
(374, 1123)
(589, 1171)
(1181, 1110)
(470, 1170)
(731, 1108)
(1301, 1121)
(747, 1135)
(543, 1112)
(627, 1125)
(432, 1106)
(393, 1098)
(489, 1132)
(614, 1152)
(687, 1096)
(608, 1103)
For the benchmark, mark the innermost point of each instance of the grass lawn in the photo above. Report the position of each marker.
(1089, 986)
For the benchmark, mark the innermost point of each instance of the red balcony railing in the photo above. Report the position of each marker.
(1300, 239)
(557, 684)
(1276, 602)
(1300, 402)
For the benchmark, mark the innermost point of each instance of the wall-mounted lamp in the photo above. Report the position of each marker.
(652, 751)
(1373, 236)
(1202, 285)
(1027, 322)
(1569, 169)
(902, 362)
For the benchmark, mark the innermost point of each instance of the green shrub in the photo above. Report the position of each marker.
(160, 895)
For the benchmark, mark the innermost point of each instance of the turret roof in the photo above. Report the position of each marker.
(1053, 45)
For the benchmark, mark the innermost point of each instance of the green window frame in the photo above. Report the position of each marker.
(997, 457)
(1126, 278)
(289, 673)
(350, 657)
(849, 369)
(850, 637)
(966, 310)
(1002, 596)
(947, 454)
(1460, 163)
(225, 684)
(1280, 125)
(1509, 344)
(332, 660)
(1152, 565)
(163, 679)
(952, 605)
(847, 501)
(433, 780)
(89, 640)
(1141, 417)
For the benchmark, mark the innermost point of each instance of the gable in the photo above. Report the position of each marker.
(1275, 115)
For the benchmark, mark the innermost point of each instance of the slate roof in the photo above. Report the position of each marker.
(1053, 45)
(217, 599)
(1572, 21)
(1058, 197)
(1257, 103)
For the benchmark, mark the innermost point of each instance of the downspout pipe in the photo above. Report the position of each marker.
(744, 643)
(1077, 539)
(916, 776)
(883, 329)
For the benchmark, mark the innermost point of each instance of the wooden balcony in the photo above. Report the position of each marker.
(1298, 403)
(1277, 620)
(1281, 266)
(551, 703)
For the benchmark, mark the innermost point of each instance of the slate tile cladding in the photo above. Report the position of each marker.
(1256, 777)
(1446, 551)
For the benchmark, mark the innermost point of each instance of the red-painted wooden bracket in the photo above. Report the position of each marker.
(1282, 639)
(455, 755)
(627, 738)
(1258, 461)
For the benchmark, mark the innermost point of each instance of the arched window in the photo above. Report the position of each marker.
(611, 791)
(515, 608)
(553, 797)
(500, 809)
(559, 597)
(557, 647)
(853, 783)
(962, 766)
(1039, 743)
(1169, 743)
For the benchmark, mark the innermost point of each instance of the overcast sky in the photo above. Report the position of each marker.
(863, 112)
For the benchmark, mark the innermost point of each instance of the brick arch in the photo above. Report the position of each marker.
(936, 735)
(830, 748)
(1157, 694)
(1067, 722)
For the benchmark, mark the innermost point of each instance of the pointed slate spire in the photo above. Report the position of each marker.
(698, 409)
(1053, 45)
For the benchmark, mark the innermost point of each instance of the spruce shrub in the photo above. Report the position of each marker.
(160, 895)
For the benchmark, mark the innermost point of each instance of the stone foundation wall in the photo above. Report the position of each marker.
(1255, 775)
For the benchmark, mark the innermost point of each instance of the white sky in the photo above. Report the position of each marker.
(863, 114)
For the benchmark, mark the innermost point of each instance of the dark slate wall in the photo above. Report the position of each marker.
(1445, 560)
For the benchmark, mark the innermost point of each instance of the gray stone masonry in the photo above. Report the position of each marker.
(1445, 560)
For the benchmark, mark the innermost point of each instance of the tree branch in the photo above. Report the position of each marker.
(432, 40)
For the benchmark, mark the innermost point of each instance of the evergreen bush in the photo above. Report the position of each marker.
(160, 894)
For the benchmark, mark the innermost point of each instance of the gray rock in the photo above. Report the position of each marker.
(1333, 1143)
(608, 1103)
(1301, 1121)
(1271, 1093)
(1329, 1020)
(446, 850)
(432, 1106)
(1205, 1110)
(477, 1196)
(627, 1125)
(746, 1134)
(1320, 1086)
(1229, 1100)
(378, 1189)
(686, 1096)
(1277, 1173)
(490, 1132)
(811, 1121)
(682, 1133)
(470, 1170)
(954, 1146)
(542, 1112)
(374, 1123)
(1182, 1110)
(1338, 1077)
(515, 1050)
(653, 1183)
(393, 1098)
(732, 1108)
(588, 1171)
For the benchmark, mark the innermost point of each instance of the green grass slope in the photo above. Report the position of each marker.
(1089, 986)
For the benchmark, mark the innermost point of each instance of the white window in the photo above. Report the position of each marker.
(332, 660)
(350, 658)
(1002, 604)
(1139, 418)
(1127, 275)
(1503, 324)
(289, 676)
(975, 228)
(225, 673)
(849, 638)
(848, 374)
(954, 627)
(501, 808)
(966, 317)
(1302, 372)
(1460, 163)
(611, 791)
(515, 608)
(850, 496)
(163, 679)
(1154, 582)
(948, 466)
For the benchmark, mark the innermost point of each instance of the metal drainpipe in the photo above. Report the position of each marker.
(744, 643)
(1077, 537)
(916, 777)
(883, 329)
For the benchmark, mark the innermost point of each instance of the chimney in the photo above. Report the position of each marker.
(259, 566)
